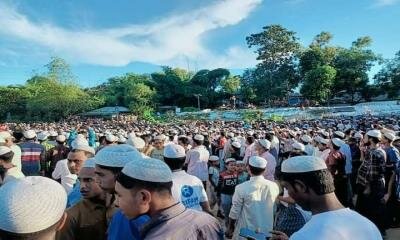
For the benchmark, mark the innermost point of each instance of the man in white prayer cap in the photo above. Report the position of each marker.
(187, 189)
(310, 184)
(262, 147)
(9, 142)
(11, 172)
(144, 187)
(253, 201)
(39, 214)
(197, 159)
(87, 218)
(109, 162)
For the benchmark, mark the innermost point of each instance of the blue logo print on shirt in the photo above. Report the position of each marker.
(187, 191)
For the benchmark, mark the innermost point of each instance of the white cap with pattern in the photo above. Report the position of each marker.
(258, 162)
(149, 170)
(117, 155)
(31, 204)
(174, 151)
(29, 134)
(302, 164)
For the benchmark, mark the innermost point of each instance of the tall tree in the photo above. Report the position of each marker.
(277, 73)
(352, 66)
(388, 78)
(318, 82)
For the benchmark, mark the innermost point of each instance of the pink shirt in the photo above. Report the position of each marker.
(271, 164)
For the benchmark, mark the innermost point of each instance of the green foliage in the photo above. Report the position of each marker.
(190, 109)
(388, 78)
(231, 84)
(277, 74)
(250, 116)
(318, 82)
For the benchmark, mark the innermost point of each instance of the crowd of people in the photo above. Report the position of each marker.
(124, 179)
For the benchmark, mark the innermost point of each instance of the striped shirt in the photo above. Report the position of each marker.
(32, 158)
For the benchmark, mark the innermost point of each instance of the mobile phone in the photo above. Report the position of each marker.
(253, 235)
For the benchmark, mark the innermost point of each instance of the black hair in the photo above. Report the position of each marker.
(335, 147)
(7, 157)
(114, 170)
(61, 143)
(297, 153)
(184, 140)
(256, 171)
(321, 181)
(250, 139)
(129, 183)
(269, 136)
(102, 138)
(374, 139)
(175, 163)
(18, 135)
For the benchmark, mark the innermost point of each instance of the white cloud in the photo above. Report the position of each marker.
(174, 40)
(381, 3)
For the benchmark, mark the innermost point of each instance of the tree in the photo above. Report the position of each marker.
(277, 49)
(58, 69)
(352, 66)
(231, 85)
(318, 83)
(388, 78)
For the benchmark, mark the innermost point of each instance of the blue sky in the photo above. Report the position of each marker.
(101, 39)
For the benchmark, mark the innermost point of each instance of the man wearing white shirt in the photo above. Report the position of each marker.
(253, 201)
(197, 158)
(186, 188)
(14, 148)
(61, 172)
(310, 184)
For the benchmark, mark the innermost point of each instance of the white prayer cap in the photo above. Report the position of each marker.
(149, 170)
(4, 150)
(160, 137)
(61, 138)
(265, 143)
(324, 141)
(89, 163)
(306, 138)
(358, 135)
(136, 142)
(198, 137)
(298, 146)
(236, 144)
(79, 141)
(390, 135)
(42, 136)
(325, 133)
(374, 133)
(5, 134)
(258, 162)
(85, 148)
(302, 164)
(29, 134)
(230, 160)
(111, 138)
(116, 155)
(53, 134)
(213, 158)
(31, 204)
(230, 134)
(121, 139)
(174, 151)
(337, 142)
(250, 133)
(339, 134)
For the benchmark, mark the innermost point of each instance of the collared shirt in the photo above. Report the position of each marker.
(197, 159)
(373, 167)
(17, 156)
(123, 228)
(188, 190)
(32, 158)
(62, 172)
(271, 165)
(13, 174)
(253, 205)
(85, 220)
(75, 195)
(345, 149)
(178, 222)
